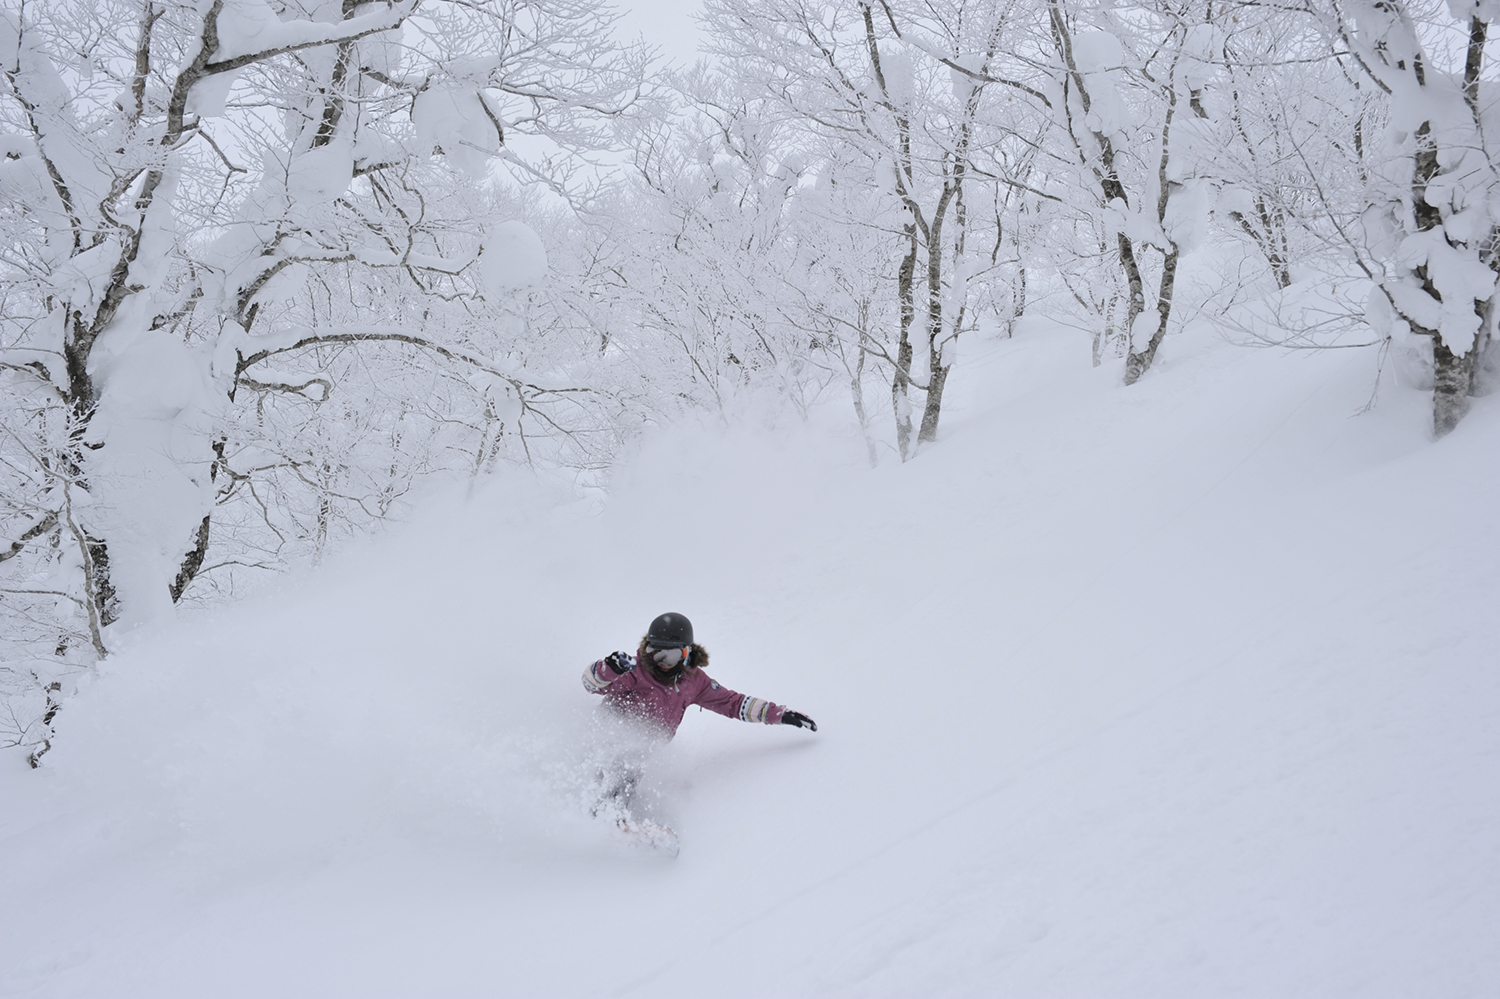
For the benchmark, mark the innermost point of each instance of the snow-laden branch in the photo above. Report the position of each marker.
(919, 40)
(377, 334)
(274, 37)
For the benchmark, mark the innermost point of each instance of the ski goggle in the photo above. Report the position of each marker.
(667, 658)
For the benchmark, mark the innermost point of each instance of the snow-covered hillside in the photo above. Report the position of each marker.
(1186, 689)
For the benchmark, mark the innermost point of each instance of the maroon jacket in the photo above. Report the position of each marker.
(639, 692)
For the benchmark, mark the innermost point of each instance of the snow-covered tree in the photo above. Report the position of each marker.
(1128, 85)
(711, 192)
(1434, 223)
(183, 185)
(906, 91)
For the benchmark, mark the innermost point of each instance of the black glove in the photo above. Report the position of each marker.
(798, 719)
(618, 663)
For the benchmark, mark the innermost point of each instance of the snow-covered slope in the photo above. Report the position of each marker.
(1187, 689)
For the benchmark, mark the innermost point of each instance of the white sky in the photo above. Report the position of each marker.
(666, 24)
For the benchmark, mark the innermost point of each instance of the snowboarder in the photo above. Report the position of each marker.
(654, 688)
(665, 676)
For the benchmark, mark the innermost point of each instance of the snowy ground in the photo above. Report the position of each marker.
(1187, 689)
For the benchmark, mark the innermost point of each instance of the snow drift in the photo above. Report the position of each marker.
(1185, 689)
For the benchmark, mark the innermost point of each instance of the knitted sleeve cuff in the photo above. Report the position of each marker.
(753, 709)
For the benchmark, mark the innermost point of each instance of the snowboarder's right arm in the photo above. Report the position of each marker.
(598, 677)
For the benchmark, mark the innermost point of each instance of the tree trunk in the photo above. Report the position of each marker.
(857, 383)
(1453, 378)
(193, 561)
(937, 374)
(1453, 375)
(930, 413)
(1139, 362)
(1135, 299)
(1017, 299)
(901, 378)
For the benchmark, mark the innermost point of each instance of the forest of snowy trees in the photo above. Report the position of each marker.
(271, 265)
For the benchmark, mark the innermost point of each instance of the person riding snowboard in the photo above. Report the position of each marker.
(649, 692)
(665, 676)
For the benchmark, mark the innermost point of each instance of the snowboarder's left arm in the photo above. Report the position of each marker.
(733, 704)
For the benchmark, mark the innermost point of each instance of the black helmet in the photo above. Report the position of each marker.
(670, 631)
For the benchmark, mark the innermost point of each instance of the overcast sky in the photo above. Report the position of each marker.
(666, 24)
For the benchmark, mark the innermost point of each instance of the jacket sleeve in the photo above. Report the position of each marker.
(732, 704)
(598, 677)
